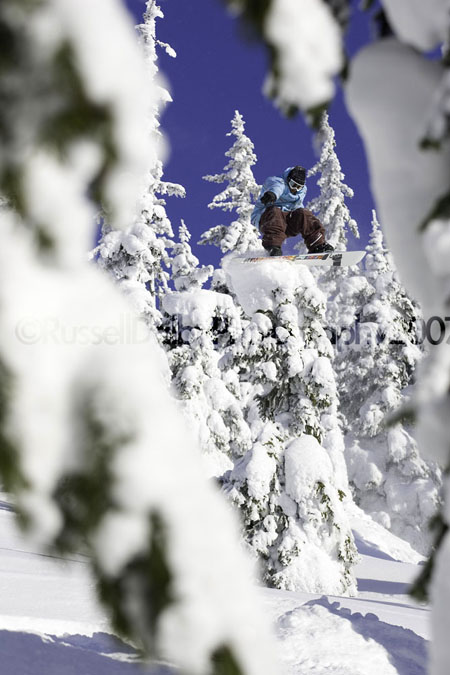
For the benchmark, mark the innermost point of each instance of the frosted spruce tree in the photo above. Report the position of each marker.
(185, 271)
(332, 210)
(291, 486)
(390, 480)
(238, 196)
(93, 447)
(330, 206)
(198, 326)
(138, 258)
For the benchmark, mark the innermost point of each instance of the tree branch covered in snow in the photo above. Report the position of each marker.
(138, 258)
(93, 446)
(304, 46)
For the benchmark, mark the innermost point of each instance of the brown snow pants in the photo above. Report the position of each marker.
(276, 225)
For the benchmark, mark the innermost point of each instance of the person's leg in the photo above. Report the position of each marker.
(273, 227)
(304, 222)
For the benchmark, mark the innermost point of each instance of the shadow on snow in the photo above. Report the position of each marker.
(407, 650)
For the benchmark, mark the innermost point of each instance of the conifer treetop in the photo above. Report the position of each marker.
(239, 194)
(330, 205)
(186, 273)
(378, 260)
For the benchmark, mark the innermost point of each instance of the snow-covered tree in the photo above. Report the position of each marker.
(330, 206)
(138, 258)
(291, 485)
(186, 273)
(198, 325)
(92, 445)
(239, 194)
(390, 480)
(334, 213)
(381, 358)
(394, 115)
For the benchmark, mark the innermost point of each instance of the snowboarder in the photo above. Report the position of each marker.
(279, 213)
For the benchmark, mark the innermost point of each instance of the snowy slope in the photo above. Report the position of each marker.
(51, 624)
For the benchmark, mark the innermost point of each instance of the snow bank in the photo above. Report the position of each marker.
(330, 645)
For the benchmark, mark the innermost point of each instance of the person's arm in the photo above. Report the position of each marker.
(272, 190)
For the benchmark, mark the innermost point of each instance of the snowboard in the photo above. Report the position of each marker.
(329, 258)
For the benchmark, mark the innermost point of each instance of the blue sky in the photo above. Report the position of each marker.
(218, 71)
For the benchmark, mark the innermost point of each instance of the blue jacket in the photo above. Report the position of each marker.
(286, 201)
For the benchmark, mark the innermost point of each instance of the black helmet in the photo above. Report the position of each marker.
(298, 173)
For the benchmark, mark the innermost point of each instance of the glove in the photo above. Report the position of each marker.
(268, 198)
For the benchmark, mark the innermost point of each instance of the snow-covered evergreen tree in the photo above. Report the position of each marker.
(92, 445)
(239, 194)
(390, 481)
(330, 206)
(139, 258)
(381, 358)
(334, 213)
(198, 327)
(291, 485)
(186, 273)
(410, 183)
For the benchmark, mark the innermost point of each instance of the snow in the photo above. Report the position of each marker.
(114, 74)
(420, 24)
(406, 180)
(255, 285)
(197, 309)
(309, 47)
(306, 462)
(325, 632)
(132, 402)
(50, 621)
(440, 597)
(259, 467)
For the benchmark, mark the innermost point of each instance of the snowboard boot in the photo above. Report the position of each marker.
(275, 250)
(321, 248)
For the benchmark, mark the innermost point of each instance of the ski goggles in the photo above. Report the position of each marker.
(294, 185)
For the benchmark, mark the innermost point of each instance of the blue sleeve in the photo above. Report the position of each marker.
(274, 184)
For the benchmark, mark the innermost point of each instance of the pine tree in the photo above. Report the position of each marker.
(239, 194)
(390, 480)
(330, 206)
(384, 353)
(291, 484)
(334, 213)
(139, 258)
(186, 273)
(198, 327)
